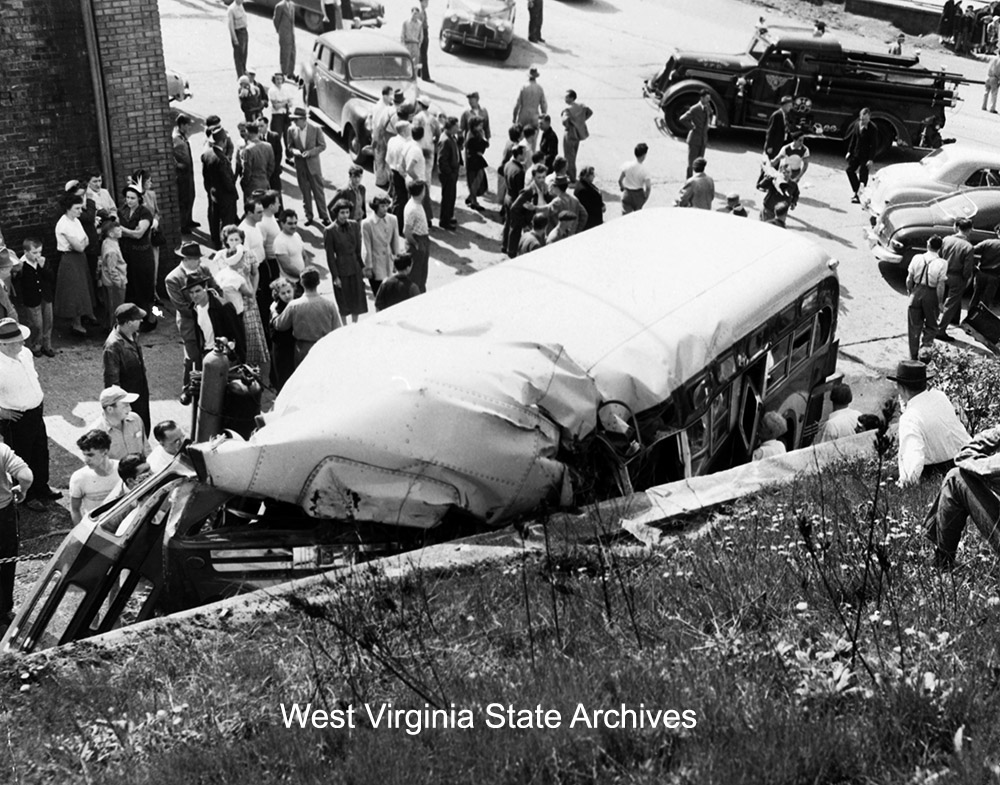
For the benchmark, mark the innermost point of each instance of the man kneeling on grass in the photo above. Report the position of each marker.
(969, 490)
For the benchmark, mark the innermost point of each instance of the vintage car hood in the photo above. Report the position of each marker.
(714, 60)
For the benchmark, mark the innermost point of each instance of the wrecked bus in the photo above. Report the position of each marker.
(637, 353)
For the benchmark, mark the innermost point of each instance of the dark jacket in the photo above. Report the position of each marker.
(449, 158)
(862, 142)
(35, 285)
(217, 175)
(777, 133)
(393, 290)
(549, 145)
(226, 323)
(124, 364)
(593, 202)
(349, 195)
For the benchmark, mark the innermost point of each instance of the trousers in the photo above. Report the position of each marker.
(921, 318)
(857, 174)
(953, 301)
(311, 185)
(29, 439)
(240, 48)
(9, 547)
(963, 495)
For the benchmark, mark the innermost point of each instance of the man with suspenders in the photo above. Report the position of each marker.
(925, 282)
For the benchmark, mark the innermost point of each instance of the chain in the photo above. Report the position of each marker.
(29, 557)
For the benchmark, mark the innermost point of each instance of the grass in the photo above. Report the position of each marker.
(804, 629)
(747, 626)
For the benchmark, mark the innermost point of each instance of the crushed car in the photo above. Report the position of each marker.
(546, 382)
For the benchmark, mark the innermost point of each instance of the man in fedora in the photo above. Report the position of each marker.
(531, 103)
(930, 433)
(123, 361)
(304, 140)
(22, 426)
(969, 490)
(777, 134)
(117, 420)
(220, 185)
(190, 265)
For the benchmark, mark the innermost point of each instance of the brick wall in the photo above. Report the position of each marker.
(48, 126)
(48, 116)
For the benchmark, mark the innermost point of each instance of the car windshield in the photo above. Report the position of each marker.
(957, 206)
(381, 67)
(493, 8)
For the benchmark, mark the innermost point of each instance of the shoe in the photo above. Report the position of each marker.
(993, 111)
(943, 336)
(50, 352)
(856, 199)
(37, 352)
(451, 225)
(50, 495)
(540, 40)
(35, 505)
(80, 331)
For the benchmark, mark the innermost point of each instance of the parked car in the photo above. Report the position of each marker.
(947, 169)
(903, 230)
(480, 24)
(344, 78)
(178, 88)
(318, 16)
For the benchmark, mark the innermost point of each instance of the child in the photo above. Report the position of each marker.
(227, 264)
(252, 98)
(36, 286)
(112, 269)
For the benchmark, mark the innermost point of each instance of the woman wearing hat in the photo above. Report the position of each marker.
(137, 249)
(156, 238)
(72, 300)
(113, 272)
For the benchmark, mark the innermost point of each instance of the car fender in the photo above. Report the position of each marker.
(356, 113)
(695, 86)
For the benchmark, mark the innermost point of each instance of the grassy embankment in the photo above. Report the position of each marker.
(806, 631)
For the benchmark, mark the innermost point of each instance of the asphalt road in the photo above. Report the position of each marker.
(601, 48)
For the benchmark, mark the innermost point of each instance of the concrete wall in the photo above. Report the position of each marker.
(48, 110)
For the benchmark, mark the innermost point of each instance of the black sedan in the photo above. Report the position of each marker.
(903, 230)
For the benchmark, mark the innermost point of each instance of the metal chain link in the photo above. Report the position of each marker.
(29, 557)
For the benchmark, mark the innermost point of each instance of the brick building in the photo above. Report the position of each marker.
(83, 90)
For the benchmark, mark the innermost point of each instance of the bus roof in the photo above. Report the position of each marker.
(643, 303)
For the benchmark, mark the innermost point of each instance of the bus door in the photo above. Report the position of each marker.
(751, 385)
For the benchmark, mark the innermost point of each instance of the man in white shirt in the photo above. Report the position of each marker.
(926, 280)
(253, 237)
(395, 160)
(634, 181)
(416, 231)
(843, 420)
(930, 433)
(22, 425)
(170, 438)
(289, 250)
(236, 22)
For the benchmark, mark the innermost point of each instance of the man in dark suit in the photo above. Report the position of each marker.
(220, 185)
(353, 193)
(777, 129)
(862, 144)
(698, 118)
(190, 266)
(513, 175)
(215, 319)
(449, 165)
(305, 142)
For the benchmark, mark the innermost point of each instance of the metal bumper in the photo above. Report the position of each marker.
(471, 39)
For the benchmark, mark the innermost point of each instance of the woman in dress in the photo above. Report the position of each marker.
(156, 237)
(235, 272)
(475, 162)
(282, 341)
(137, 224)
(591, 198)
(72, 300)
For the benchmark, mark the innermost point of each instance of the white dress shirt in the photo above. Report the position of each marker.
(843, 422)
(205, 323)
(20, 389)
(929, 432)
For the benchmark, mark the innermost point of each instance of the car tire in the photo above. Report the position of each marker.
(886, 136)
(446, 45)
(353, 145)
(504, 54)
(675, 109)
(313, 22)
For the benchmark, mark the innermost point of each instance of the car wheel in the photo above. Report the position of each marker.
(353, 144)
(446, 44)
(504, 54)
(675, 109)
(886, 136)
(313, 22)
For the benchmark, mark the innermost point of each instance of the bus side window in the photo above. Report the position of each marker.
(801, 343)
(824, 326)
(778, 366)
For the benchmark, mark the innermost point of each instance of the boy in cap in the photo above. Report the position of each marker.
(123, 361)
(734, 206)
